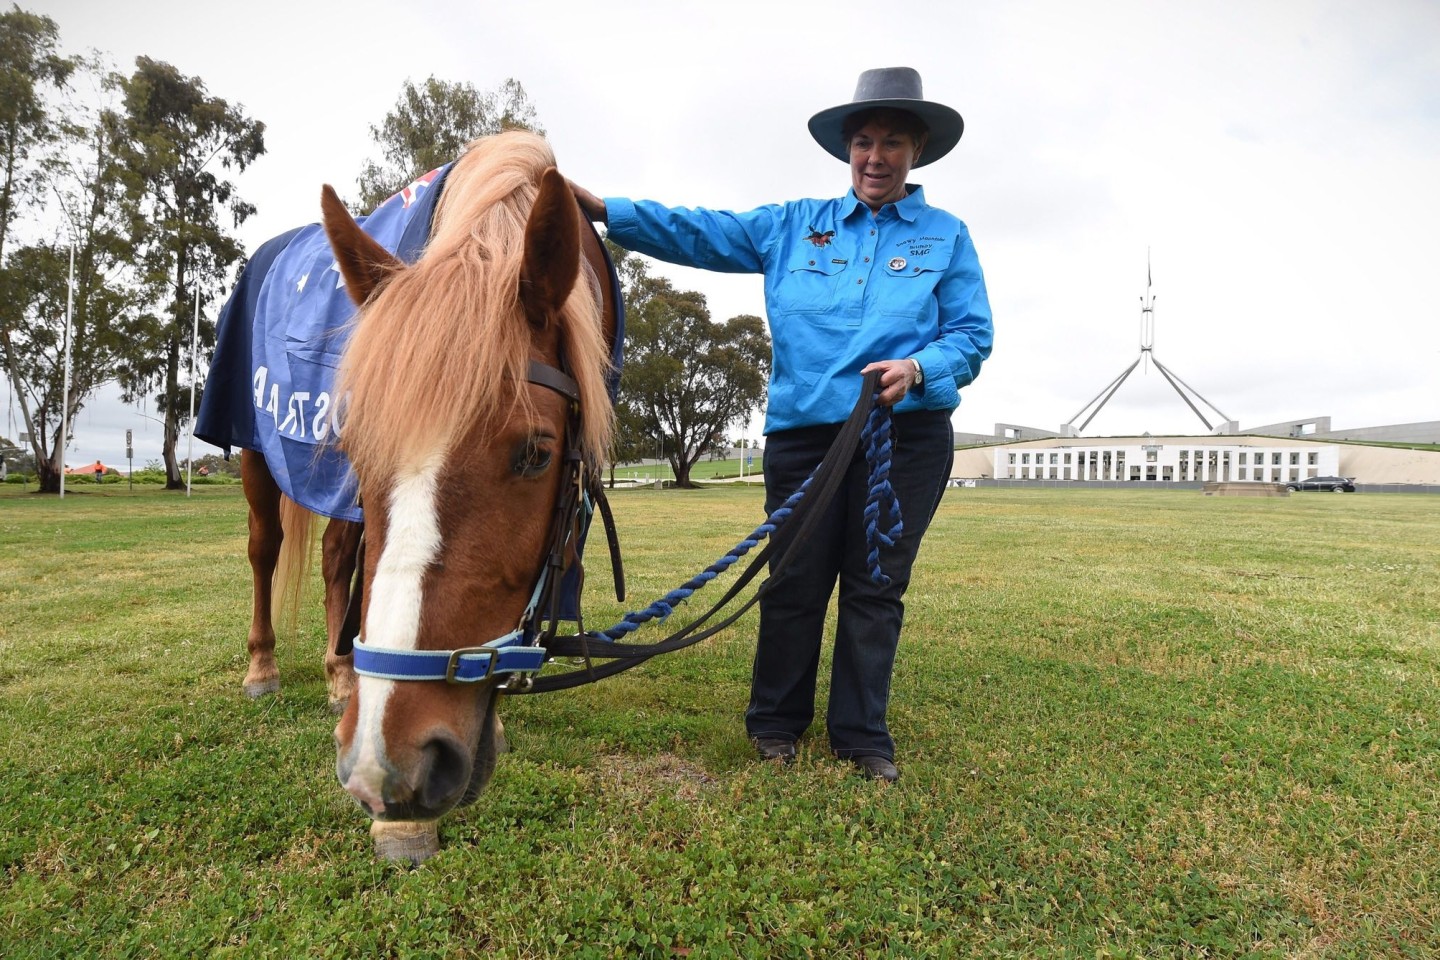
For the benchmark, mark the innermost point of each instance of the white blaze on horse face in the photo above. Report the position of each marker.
(412, 544)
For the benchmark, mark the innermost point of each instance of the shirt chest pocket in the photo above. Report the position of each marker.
(910, 277)
(812, 281)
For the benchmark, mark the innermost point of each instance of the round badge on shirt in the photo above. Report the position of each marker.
(897, 263)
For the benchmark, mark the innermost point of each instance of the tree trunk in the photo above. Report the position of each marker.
(682, 473)
(48, 476)
(173, 480)
(49, 469)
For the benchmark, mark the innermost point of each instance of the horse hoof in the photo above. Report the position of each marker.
(263, 688)
(405, 841)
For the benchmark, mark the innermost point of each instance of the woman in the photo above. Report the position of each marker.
(875, 280)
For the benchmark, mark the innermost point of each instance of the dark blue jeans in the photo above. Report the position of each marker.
(792, 611)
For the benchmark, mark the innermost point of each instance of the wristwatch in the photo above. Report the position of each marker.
(919, 373)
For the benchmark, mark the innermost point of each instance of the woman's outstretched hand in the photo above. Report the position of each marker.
(593, 206)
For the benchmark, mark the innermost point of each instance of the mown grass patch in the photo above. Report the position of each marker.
(1131, 723)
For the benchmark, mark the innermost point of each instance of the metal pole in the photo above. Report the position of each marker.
(194, 343)
(65, 401)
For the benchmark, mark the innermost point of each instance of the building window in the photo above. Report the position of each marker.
(1275, 460)
(1242, 470)
(1012, 459)
(1312, 458)
(1294, 460)
(1242, 462)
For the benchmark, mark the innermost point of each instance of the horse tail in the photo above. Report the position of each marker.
(293, 568)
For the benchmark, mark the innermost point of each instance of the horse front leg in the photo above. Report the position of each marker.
(266, 535)
(339, 547)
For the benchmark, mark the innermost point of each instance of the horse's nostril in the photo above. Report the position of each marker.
(444, 773)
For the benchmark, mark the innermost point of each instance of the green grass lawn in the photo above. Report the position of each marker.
(1131, 724)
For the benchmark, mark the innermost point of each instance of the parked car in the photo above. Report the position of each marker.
(1331, 484)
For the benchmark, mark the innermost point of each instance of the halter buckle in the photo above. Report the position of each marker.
(453, 664)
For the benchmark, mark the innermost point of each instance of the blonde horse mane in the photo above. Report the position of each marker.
(445, 344)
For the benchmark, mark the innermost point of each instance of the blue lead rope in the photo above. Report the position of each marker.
(881, 498)
(662, 608)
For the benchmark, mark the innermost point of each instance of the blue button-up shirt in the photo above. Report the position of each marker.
(843, 288)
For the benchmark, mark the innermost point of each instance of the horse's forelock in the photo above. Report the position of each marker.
(445, 344)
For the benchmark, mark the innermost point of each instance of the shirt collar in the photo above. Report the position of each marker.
(907, 208)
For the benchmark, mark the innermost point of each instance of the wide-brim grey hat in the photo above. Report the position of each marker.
(899, 88)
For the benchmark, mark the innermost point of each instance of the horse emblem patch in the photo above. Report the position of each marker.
(820, 239)
(897, 263)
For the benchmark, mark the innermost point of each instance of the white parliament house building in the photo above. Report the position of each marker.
(1168, 459)
(1375, 457)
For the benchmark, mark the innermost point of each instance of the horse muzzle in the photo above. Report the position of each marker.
(397, 778)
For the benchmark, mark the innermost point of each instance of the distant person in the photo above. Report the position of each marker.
(877, 280)
(99, 471)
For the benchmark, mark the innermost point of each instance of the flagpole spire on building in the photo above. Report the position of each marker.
(1147, 354)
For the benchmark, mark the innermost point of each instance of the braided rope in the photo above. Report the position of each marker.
(881, 497)
(663, 607)
(876, 438)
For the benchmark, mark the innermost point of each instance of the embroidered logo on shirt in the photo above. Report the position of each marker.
(897, 263)
(820, 239)
(920, 246)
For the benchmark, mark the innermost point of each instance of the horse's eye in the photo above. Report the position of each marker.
(533, 457)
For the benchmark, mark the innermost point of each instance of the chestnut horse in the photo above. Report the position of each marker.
(458, 454)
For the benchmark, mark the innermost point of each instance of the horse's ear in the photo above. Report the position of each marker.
(552, 249)
(363, 263)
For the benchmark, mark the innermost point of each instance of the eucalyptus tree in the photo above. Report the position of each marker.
(30, 69)
(85, 230)
(430, 125)
(86, 240)
(62, 195)
(687, 379)
(170, 136)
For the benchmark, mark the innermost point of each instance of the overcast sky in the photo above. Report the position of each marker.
(1278, 160)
